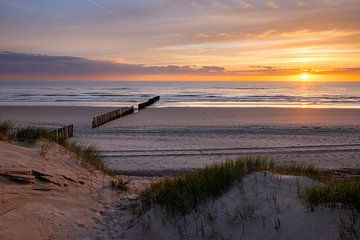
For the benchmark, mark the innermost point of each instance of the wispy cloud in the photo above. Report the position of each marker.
(99, 6)
(263, 67)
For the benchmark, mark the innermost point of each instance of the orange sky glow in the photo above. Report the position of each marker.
(249, 40)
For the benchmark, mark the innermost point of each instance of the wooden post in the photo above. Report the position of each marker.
(64, 132)
(148, 102)
(110, 116)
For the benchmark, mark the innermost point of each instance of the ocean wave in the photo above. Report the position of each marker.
(254, 93)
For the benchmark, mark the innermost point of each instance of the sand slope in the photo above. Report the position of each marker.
(49, 196)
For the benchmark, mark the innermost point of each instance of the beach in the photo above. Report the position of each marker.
(168, 141)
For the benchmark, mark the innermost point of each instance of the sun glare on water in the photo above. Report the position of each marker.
(304, 76)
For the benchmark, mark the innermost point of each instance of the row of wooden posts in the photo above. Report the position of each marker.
(68, 131)
(63, 133)
(121, 112)
(148, 102)
(110, 116)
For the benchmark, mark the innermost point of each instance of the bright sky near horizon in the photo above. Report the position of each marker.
(180, 40)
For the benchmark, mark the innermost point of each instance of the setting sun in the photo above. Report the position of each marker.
(304, 76)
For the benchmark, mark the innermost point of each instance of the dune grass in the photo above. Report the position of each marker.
(32, 134)
(86, 154)
(182, 194)
(334, 193)
(5, 131)
(299, 170)
(179, 195)
(119, 184)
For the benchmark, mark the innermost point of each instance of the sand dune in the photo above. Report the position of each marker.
(263, 206)
(50, 196)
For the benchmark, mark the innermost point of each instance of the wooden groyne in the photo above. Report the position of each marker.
(64, 132)
(110, 116)
(121, 112)
(148, 102)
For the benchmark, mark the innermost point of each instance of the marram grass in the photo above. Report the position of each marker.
(32, 134)
(86, 154)
(334, 193)
(5, 131)
(182, 194)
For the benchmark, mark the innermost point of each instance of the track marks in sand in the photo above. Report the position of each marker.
(232, 151)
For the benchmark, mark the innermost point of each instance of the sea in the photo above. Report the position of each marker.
(181, 94)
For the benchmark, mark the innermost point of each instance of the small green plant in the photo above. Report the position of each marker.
(32, 134)
(5, 130)
(333, 193)
(299, 170)
(88, 156)
(119, 183)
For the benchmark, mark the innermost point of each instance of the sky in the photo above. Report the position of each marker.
(180, 40)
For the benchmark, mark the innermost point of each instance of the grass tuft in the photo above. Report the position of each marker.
(334, 193)
(32, 134)
(5, 131)
(182, 194)
(88, 156)
(120, 184)
(298, 170)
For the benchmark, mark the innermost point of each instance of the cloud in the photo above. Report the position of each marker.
(343, 71)
(264, 67)
(22, 63)
(34, 66)
(99, 6)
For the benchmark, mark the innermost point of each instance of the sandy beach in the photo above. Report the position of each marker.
(166, 141)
